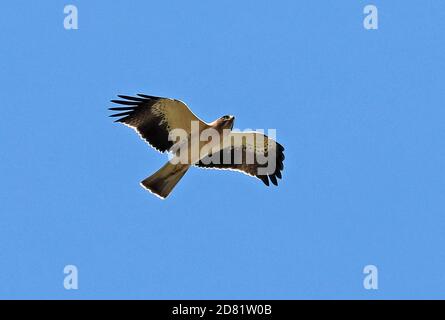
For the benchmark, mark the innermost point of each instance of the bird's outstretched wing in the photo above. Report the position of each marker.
(261, 157)
(154, 117)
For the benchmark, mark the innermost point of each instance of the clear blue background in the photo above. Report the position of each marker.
(360, 113)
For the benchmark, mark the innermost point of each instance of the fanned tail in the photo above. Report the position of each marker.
(165, 179)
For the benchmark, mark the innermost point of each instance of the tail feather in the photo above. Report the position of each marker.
(165, 179)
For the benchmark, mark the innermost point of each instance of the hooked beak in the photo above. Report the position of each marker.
(232, 122)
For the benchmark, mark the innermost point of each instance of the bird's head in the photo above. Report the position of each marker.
(227, 122)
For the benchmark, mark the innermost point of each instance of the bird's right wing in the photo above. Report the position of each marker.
(252, 153)
(153, 118)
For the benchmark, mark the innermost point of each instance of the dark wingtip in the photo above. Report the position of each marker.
(130, 98)
(126, 102)
(121, 114)
(122, 108)
(273, 179)
(264, 179)
(147, 96)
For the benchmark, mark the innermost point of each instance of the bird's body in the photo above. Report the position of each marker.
(169, 125)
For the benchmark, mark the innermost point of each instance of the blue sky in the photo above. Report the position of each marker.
(360, 113)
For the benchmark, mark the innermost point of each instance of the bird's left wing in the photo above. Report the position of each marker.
(154, 117)
(252, 153)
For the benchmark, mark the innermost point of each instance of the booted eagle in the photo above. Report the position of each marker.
(168, 125)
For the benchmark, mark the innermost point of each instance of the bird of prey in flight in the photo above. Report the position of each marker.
(156, 118)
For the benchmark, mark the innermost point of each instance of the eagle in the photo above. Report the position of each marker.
(156, 118)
